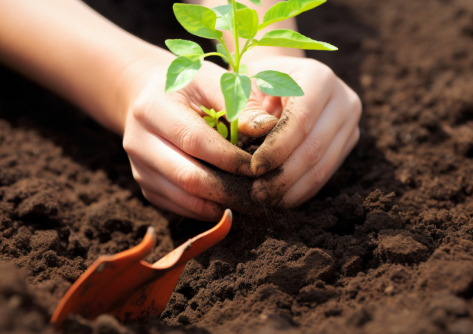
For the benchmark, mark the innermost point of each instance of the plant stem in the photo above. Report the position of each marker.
(236, 69)
(234, 132)
(235, 36)
(230, 61)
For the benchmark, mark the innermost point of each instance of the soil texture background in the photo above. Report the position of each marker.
(385, 247)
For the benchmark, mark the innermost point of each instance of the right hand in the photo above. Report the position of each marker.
(166, 137)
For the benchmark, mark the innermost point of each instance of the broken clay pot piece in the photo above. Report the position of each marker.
(125, 286)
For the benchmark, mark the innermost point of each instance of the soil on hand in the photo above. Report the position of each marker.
(386, 247)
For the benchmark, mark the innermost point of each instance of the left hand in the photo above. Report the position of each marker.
(314, 134)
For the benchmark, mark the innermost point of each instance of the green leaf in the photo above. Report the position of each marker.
(222, 129)
(290, 39)
(236, 90)
(220, 114)
(198, 20)
(182, 47)
(243, 69)
(181, 72)
(287, 9)
(277, 84)
(222, 50)
(225, 16)
(257, 2)
(210, 121)
(247, 23)
(210, 112)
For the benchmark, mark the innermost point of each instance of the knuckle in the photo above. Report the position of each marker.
(356, 106)
(313, 150)
(302, 118)
(188, 141)
(326, 74)
(186, 180)
(141, 109)
(128, 144)
(320, 70)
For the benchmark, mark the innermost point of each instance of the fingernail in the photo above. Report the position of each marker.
(262, 196)
(245, 169)
(260, 166)
(263, 120)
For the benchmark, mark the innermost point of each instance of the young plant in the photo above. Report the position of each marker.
(243, 23)
(212, 120)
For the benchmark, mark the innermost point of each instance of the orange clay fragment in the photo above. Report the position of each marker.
(127, 287)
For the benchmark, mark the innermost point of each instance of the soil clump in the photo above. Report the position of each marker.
(385, 247)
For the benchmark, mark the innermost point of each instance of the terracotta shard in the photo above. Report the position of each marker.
(127, 287)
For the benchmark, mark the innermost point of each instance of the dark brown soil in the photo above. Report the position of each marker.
(386, 247)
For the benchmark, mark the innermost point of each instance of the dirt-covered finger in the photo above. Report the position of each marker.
(186, 129)
(311, 183)
(156, 183)
(332, 126)
(167, 204)
(297, 120)
(189, 174)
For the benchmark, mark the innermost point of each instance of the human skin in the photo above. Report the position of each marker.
(119, 80)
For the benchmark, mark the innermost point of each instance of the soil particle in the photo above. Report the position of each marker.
(401, 249)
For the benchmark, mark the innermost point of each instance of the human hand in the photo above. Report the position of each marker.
(167, 139)
(314, 134)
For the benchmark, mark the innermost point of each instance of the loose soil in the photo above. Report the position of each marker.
(385, 247)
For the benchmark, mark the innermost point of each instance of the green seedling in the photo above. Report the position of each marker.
(243, 23)
(212, 121)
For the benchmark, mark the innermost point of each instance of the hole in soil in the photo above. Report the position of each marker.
(40, 222)
(187, 292)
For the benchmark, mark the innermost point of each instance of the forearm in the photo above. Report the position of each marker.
(67, 47)
(260, 52)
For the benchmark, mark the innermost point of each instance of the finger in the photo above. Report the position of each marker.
(185, 172)
(168, 205)
(334, 125)
(255, 121)
(155, 183)
(172, 118)
(298, 118)
(272, 105)
(311, 183)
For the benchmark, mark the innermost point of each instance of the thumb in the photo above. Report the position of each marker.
(255, 121)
